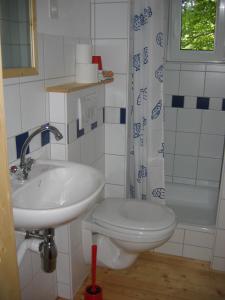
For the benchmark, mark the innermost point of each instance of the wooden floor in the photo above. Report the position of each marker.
(161, 277)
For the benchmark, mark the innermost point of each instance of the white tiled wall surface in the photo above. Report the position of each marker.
(190, 242)
(110, 40)
(194, 138)
(87, 147)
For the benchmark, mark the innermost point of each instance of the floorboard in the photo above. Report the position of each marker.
(160, 277)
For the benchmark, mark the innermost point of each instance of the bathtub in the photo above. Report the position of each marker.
(193, 205)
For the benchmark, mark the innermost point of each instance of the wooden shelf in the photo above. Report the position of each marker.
(74, 86)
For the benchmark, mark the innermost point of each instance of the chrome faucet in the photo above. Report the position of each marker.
(26, 163)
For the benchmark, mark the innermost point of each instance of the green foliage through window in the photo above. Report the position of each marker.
(198, 25)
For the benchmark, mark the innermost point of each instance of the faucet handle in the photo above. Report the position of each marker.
(13, 169)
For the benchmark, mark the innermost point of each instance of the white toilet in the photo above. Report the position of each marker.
(123, 228)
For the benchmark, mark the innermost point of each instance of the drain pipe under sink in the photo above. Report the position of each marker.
(41, 242)
(31, 244)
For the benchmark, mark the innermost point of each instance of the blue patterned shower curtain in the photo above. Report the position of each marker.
(146, 136)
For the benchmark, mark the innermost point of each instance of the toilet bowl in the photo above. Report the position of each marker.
(123, 228)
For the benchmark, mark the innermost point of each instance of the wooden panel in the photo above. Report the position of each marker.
(9, 279)
(74, 86)
(161, 277)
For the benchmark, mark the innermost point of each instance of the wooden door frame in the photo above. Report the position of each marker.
(9, 274)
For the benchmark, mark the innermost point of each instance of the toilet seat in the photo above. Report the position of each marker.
(129, 216)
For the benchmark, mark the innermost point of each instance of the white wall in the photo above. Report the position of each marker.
(27, 107)
(74, 18)
(110, 25)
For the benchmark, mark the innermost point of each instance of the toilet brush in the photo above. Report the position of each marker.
(93, 291)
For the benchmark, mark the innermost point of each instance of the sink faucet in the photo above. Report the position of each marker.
(25, 164)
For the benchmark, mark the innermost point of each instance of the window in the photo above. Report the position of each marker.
(197, 30)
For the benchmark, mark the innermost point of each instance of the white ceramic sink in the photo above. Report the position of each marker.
(55, 193)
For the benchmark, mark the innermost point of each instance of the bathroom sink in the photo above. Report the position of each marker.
(55, 193)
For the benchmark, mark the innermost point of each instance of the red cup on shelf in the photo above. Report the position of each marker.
(96, 59)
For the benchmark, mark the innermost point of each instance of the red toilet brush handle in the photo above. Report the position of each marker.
(93, 265)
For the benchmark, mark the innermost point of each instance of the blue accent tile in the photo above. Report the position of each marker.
(45, 138)
(202, 103)
(94, 125)
(20, 139)
(223, 104)
(79, 132)
(178, 101)
(103, 114)
(122, 115)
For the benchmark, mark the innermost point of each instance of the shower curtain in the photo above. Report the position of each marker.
(146, 129)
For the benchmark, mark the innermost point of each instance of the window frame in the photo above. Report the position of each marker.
(173, 50)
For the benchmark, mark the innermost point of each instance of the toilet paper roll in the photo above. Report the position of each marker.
(83, 54)
(86, 73)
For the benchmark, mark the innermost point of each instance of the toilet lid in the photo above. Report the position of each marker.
(133, 214)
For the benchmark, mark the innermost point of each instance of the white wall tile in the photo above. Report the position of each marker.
(189, 120)
(57, 107)
(69, 55)
(192, 67)
(100, 164)
(33, 104)
(88, 148)
(170, 118)
(185, 166)
(200, 239)
(114, 191)
(191, 83)
(58, 151)
(75, 228)
(11, 149)
(64, 291)
(62, 238)
(25, 270)
(220, 244)
(114, 54)
(190, 102)
(99, 137)
(116, 92)
(170, 141)
(187, 143)
(215, 68)
(197, 252)
(171, 82)
(167, 100)
(209, 169)
(74, 151)
(12, 109)
(214, 84)
(218, 263)
(63, 268)
(183, 180)
(221, 215)
(105, 25)
(79, 269)
(44, 286)
(115, 139)
(211, 145)
(40, 66)
(27, 293)
(172, 66)
(169, 160)
(170, 248)
(215, 103)
(178, 236)
(213, 122)
(115, 169)
(53, 56)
